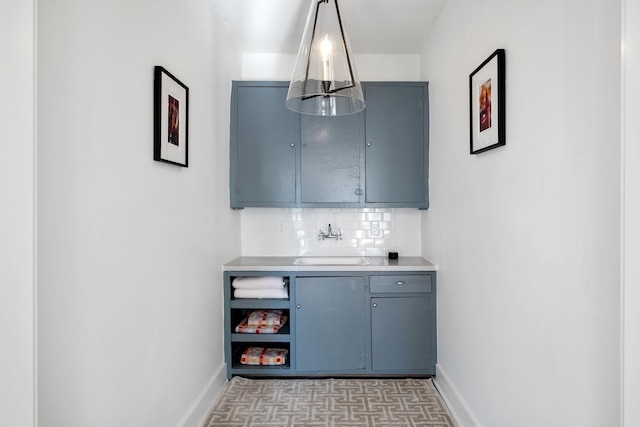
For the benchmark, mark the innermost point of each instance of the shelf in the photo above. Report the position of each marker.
(238, 348)
(260, 303)
(281, 336)
(260, 369)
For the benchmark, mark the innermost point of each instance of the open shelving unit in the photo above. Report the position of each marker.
(235, 310)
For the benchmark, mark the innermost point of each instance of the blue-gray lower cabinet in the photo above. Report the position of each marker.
(341, 323)
(402, 344)
(330, 324)
(403, 323)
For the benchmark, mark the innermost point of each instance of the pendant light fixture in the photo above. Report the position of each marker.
(324, 80)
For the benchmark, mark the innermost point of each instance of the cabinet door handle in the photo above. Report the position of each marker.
(293, 145)
(368, 144)
(401, 282)
(375, 305)
(298, 306)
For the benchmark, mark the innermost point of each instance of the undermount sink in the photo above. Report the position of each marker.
(331, 260)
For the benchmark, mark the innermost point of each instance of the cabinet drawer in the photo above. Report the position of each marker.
(400, 284)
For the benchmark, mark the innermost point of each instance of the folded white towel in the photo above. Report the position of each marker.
(261, 293)
(259, 282)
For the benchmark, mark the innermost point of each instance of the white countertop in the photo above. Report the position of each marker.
(269, 263)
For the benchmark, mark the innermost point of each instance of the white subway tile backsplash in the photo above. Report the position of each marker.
(399, 230)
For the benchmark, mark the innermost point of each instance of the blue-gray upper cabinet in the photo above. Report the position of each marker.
(376, 158)
(265, 138)
(330, 160)
(397, 144)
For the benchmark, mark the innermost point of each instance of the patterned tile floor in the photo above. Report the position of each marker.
(329, 403)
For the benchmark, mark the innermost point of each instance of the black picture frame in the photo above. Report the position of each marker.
(170, 119)
(487, 104)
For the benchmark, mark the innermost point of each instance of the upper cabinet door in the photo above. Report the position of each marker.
(397, 144)
(330, 160)
(265, 137)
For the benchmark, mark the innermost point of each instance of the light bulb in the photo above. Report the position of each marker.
(325, 48)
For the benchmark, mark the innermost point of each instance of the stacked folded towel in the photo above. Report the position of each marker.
(264, 356)
(260, 287)
(262, 322)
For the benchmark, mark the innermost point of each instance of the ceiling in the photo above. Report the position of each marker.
(373, 26)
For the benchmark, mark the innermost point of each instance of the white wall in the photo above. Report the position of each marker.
(526, 235)
(17, 254)
(129, 249)
(630, 214)
(370, 67)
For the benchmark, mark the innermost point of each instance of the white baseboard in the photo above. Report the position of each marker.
(460, 411)
(200, 408)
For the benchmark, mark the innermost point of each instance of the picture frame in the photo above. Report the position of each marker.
(487, 104)
(171, 119)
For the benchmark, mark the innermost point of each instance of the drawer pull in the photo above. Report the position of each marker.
(298, 306)
(401, 282)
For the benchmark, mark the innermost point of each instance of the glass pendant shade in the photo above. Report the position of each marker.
(324, 80)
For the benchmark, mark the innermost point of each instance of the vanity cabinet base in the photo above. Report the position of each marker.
(340, 324)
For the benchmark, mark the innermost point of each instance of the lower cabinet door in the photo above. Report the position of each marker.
(401, 334)
(330, 324)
